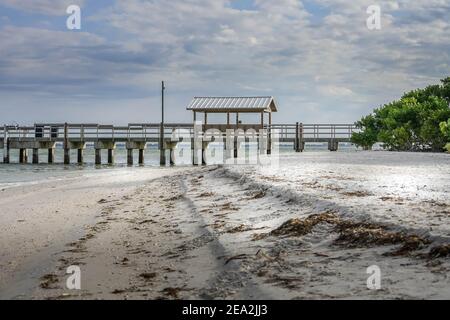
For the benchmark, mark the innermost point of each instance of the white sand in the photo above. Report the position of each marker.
(188, 233)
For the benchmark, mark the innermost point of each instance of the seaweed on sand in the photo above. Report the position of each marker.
(354, 234)
(439, 251)
(299, 227)
(49, 281)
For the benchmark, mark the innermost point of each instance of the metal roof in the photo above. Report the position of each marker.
(233, 104)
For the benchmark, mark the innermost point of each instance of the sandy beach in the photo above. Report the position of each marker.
(230, 233)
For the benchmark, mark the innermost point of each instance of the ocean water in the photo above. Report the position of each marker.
(15, 174)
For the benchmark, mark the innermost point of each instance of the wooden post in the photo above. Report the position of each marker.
(51, 155)
(141, 156)
(98, 156)
(171, 155)
(35, 156)
(80, 156)
(237, 118)
(206, 118)
(269, 132)
(195, 116)
(5, 145)
(297, 138)
(130, 157)
(301, 140)
(66, 156)
(66, 145)
(23, 157)
(228, 119)
(110, 156)
(162, 150)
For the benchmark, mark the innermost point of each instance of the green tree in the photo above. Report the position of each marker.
(445, 129)
(368, 135)
(409, 124)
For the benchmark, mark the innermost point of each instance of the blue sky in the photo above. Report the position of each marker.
(316, 57)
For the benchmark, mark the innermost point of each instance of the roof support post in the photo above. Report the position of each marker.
(269, 140)
(262, 120)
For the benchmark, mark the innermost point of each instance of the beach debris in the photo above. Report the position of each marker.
(257, 195)
(228, 206)
(148, 275)
(172, 292)
(147, 221)
(411, 243)
(118, 291)
(299, 227)
(357, 194)
(240, 228)
(352, 234)
(102, 201)
(439, 251)
(48, 281)
(206, 194)
(289, 282)
(174, 198)
(236, 257)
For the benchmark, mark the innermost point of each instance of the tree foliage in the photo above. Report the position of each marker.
(417, 121)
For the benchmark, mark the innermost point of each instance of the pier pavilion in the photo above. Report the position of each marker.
(236, 106)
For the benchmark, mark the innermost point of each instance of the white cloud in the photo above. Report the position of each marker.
(207, 47)
(49, 7)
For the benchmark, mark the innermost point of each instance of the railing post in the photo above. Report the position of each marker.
(301, 142)
(66, 144)
(297, 136)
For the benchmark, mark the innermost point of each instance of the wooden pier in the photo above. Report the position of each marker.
(137, 137)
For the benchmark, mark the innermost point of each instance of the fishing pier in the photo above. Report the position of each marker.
(137, 136)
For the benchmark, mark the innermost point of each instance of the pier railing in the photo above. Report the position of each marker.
(150, 132)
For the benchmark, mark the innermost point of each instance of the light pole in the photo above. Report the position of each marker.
(162, 151)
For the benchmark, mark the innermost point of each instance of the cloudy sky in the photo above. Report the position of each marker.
(317, 57)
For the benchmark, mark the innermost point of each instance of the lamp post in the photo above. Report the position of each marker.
(162, 151)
